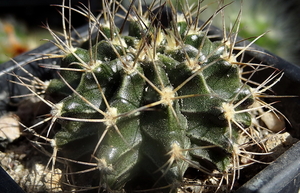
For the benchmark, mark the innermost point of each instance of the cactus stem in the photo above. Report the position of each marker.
(81, 97)
(109, 119)
(154, 102)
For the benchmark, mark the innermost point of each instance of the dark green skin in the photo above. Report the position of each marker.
(140, 140)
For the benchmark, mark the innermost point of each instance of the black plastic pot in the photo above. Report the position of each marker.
(8, 185)
(281, 176)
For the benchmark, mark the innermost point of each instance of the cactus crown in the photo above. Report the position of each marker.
(149, 104)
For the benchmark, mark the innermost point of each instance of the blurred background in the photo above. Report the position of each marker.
(21, 23)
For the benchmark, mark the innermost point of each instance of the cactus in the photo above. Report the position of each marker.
(154, 102)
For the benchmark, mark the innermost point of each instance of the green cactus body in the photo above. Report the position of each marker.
(157, 100)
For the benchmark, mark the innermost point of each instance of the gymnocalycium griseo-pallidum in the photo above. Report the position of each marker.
(143, 104)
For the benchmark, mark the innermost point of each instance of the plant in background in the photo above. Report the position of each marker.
(144, 108)
(15, 38)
